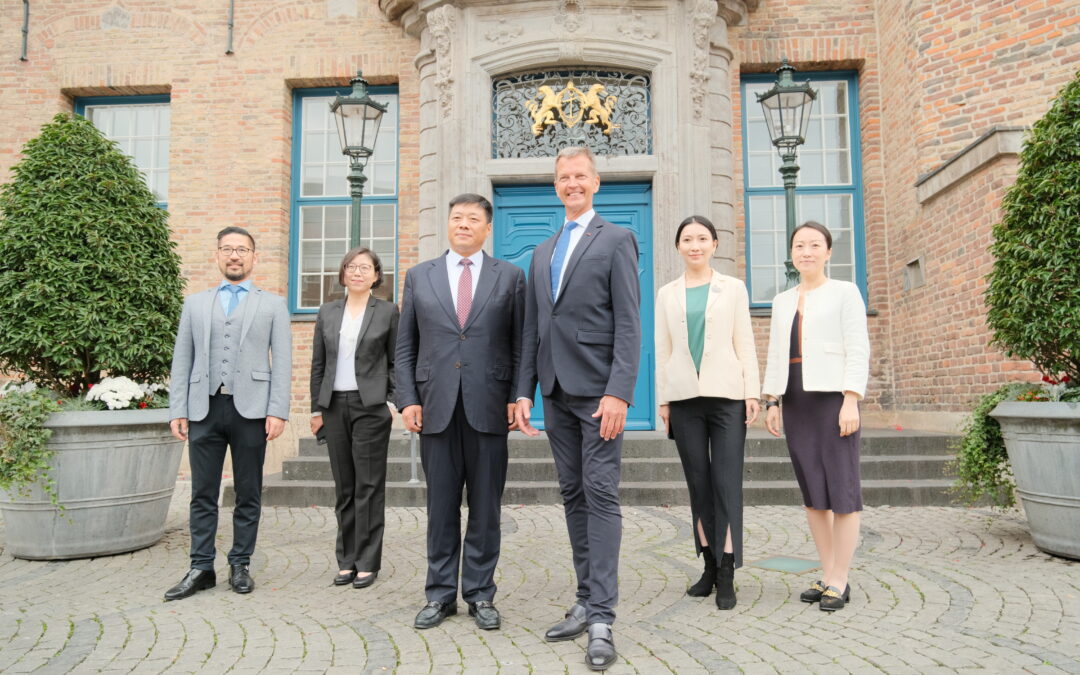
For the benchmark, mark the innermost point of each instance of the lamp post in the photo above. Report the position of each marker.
(787, 109)
(358, 117)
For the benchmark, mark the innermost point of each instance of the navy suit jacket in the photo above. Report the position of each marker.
(437, 358)
(590, 338)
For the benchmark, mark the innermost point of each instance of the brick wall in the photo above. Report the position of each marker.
(231, 130)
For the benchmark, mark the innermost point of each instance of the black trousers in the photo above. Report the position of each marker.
(589, 471)
(208, 438)
(357, 439)
(456, 458)
(710, 434)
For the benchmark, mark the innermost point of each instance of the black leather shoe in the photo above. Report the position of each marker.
(193, 582)
(433, 614)
(600, 653)
(344, 579)
(569, 628)
(832, 599)
(725, 582)
(813, 594)
(240, 579)
(487, 617)
(364, 582)
(703, 587)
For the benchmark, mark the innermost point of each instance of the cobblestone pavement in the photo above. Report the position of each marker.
(933, 590)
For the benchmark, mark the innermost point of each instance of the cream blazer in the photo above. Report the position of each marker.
(729, 366)
(835, 345)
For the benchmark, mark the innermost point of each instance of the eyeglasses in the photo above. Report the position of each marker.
(241, 251)
(362, 269)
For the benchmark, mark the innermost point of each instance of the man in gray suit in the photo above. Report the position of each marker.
(458, 350)
(582, 340)
(225, 392)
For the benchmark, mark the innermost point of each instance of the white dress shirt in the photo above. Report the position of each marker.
(345, 374)
(575, 236)
(453, 268)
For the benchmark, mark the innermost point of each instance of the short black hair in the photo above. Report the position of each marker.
(233, 229)
(699, 220)
(813, 225)
(473, 198)
(358, 251)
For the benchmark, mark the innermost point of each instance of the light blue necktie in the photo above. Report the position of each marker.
(559, 259)
(234, 298)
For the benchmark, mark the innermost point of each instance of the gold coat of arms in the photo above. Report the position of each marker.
(571, 106)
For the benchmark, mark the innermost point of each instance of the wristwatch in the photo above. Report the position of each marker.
(772, 403)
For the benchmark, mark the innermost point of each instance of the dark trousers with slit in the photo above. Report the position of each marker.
(224, 428)
(357, 439)
(457, 458)
(710, 434)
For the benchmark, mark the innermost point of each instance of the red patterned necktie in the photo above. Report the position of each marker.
(464, 292)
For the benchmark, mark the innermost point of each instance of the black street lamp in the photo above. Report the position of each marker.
(358, 117)
(787, 110)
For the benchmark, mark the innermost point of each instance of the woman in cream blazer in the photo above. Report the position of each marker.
(707, 383)
(817, 369)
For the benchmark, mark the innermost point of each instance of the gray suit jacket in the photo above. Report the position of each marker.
(436, 357)
(259, 390)
(374, 359)
(590, 338)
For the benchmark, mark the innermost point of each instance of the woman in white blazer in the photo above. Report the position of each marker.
(707, 383)
(816, 373)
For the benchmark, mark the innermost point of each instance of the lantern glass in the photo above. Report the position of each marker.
(358, 127)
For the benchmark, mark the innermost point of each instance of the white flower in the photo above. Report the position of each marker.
(14, 386)
(116, 393)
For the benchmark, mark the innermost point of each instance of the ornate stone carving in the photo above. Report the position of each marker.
(441, 22)
(502, 32)
(571, 15)
(116, 18)
(635, 28)
(702, 18)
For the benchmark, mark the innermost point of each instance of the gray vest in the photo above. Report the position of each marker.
(225, 343)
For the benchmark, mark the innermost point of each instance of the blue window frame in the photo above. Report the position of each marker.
(140, 126)
(321, 204)
(829, 189)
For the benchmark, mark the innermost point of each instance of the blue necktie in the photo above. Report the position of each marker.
(559, 259)
(234, 298)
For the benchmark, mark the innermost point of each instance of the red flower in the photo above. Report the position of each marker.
(142, 404)
(1064, 379)
(90, 387)
(59, 401)
(1049, 380)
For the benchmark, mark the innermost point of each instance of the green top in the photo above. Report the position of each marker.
(696, 299)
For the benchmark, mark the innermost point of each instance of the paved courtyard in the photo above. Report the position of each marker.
(934, 590)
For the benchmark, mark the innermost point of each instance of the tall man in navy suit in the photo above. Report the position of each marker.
(458, 351)
(582, 340)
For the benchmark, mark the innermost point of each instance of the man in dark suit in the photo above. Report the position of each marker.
(458, 352)
(582, 340)
(224, 392)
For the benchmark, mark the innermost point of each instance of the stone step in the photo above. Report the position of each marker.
(302, 493)
(656, 444)
(647, 469)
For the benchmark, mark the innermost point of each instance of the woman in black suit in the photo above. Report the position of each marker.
(352, 379)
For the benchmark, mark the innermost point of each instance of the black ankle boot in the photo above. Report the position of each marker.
(705, 584)
(725, 583)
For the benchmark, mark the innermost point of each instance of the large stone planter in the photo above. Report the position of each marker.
(1043, 442)
(114, 472)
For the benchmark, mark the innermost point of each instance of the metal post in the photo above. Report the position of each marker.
(25, 28)
(790, 170)
(413, 456)
(356, 190)
(232, 13)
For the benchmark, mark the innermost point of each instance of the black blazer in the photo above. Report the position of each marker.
(374, 364)
(437, 358)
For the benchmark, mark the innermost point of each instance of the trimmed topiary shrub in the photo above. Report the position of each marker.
(90, 282)
(1033, 298)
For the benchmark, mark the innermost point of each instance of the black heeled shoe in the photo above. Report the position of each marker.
(705, 584)
(832, 599)
(344, 578)
(813, 594)
(725, 582)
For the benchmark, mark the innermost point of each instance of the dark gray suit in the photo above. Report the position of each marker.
(584, 346)
(357, 426)
(463, 378)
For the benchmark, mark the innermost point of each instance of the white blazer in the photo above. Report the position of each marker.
(729, 366)
(835, 345)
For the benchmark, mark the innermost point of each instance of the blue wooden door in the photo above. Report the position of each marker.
(527, 215)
